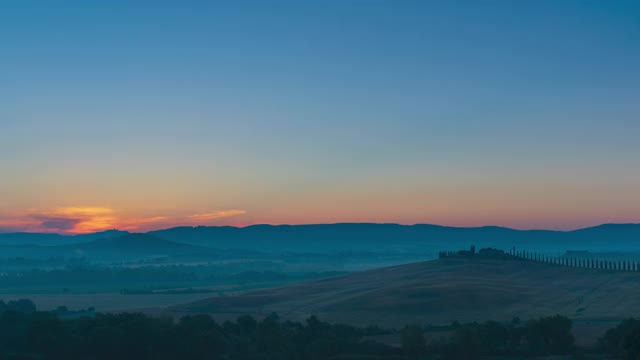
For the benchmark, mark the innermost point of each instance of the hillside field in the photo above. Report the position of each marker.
(441, 291)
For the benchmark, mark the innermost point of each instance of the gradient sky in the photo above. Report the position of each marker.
(149, 114)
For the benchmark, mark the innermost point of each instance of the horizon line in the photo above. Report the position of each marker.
(319, 224)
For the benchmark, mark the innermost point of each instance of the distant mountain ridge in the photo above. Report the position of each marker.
(133, 242)
(52, 239)
(423, 238)
(404, 238)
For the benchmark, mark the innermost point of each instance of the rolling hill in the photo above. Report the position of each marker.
(441, 291)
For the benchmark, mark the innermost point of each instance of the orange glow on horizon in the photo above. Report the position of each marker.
(83, 220)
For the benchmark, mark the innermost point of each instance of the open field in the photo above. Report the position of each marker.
(105, 302)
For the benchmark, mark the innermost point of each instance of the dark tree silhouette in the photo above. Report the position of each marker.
(414, 344)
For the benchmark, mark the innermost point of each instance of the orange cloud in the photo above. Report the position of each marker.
(77, 219)
(87, 219)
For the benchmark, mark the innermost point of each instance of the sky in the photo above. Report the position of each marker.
(142, 115)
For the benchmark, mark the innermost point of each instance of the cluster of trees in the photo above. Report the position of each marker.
(20, 306)
(623, 341)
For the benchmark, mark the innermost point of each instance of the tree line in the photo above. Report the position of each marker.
(29, 334)
(577, 262)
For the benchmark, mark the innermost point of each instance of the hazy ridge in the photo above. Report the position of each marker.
(423, 238)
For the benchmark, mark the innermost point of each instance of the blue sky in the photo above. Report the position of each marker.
(522, 114)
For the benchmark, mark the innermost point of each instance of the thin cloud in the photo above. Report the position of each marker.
(216, 215)
(83, 210)
(56, 223)
(141, 223)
